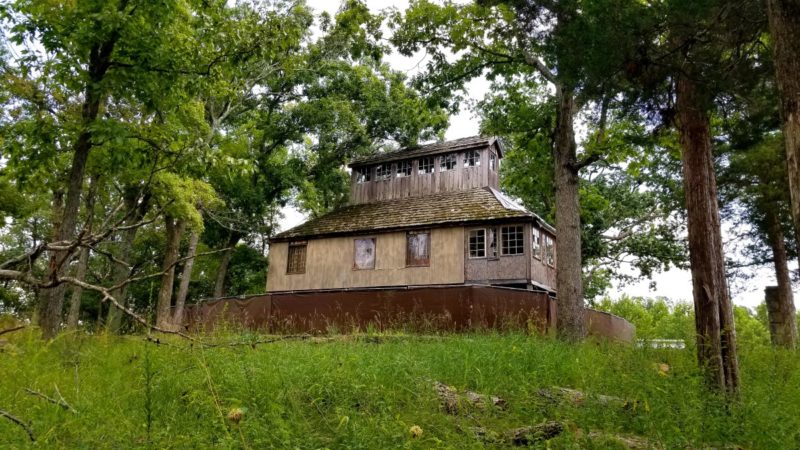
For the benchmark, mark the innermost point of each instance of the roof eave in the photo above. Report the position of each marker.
(443, 224)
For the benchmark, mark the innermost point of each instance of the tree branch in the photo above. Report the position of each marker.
(19, 422)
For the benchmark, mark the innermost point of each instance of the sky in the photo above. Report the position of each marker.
(674, 284)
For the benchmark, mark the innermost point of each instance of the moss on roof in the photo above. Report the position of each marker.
(427, 149)
(473, 205)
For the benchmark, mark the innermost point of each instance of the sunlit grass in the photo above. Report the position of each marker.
(368, 391)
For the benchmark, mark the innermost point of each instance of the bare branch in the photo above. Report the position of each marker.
(11, 330)
(19, 422)
(62, 403)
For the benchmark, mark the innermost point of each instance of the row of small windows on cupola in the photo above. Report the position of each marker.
(483, 243)
(425, 165)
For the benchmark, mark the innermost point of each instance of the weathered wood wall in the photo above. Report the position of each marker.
(504, 268)
(329, 263)
(541, 272)
(453, 308)
(416, 185)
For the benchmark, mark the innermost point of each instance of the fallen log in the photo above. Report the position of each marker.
(578, 398)
(534, 434)
(452, 401)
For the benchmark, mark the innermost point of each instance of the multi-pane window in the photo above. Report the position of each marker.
(536, 242)
(549, 250)
(472, 158)
(383, 171)
(491, 249)
(404, 169)
(477, 243)
(363, 175)
(492, 161)
(364, 254)
(296, 260)
(447, 162)
(511, 239)
(418, 248)
(425, 165)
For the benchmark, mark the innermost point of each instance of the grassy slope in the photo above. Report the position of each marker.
(355, 393)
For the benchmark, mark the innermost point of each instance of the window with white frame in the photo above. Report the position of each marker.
(425, 165)
(492, 161)
(404, 169)
(549, 250)
(363, 174)
(472, 158)
(364, 253)
(512, 240)
(383, 171)
(447, 162)
(536, 242)
(477, 243)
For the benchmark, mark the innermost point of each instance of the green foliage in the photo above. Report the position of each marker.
(654, 318)
(368, 391)
(661, 318)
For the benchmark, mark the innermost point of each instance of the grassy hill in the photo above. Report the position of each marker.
(370, 391)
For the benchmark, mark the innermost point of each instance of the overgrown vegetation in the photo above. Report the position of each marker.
(368, 391)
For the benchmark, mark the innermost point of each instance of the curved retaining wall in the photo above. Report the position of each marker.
(455, 308)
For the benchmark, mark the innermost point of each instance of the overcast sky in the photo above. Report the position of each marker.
(674, 284)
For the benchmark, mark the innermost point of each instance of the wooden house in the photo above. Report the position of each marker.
(422, 216)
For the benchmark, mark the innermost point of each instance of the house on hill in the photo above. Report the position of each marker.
(431, 215)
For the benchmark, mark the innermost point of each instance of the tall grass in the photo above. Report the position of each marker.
(366, 391)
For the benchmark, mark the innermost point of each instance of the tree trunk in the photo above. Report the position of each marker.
(52, 300)
(174, 230)
(83, 261)
(77, 291)
(186, 277)
(222, 272)
(780, 301)
(137, 212)
(784, 24)
(571, 325)
(716, 335)
(46, 319)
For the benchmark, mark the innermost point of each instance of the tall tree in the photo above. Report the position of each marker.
(784, 27)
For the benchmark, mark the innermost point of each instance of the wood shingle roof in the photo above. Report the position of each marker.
(459, 207)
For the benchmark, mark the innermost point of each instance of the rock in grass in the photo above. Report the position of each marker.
(534, 434)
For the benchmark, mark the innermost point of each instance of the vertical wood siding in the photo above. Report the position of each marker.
(417, 185)
(329, 263)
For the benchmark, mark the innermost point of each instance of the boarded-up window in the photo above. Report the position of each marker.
(447, 162)
(404, 169)
(472, 158)
(296, 260)
(418, 248)
(477, 243)
(425, 165)
(536, 242)
(492, 247)
(511, 238)
(364, 257)
(549, 250)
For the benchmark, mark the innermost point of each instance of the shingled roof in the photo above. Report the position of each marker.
(459, 207)
(428, 149)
